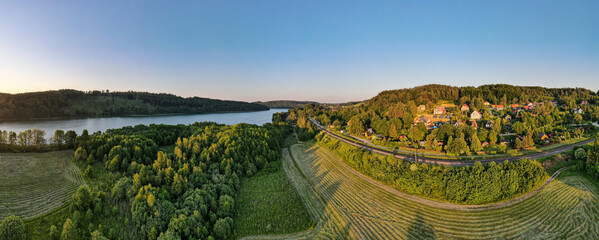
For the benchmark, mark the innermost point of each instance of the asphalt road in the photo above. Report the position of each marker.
(446, 162)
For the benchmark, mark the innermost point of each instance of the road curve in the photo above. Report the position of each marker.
(446, 162)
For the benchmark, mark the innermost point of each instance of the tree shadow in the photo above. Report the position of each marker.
(419, 228)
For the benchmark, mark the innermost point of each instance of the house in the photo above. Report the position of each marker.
(485, 144)
(543, 136)
(515, 107)
(474, 125)
(577, 110)
(475, 115)
(458, 123)
(421, 108)
(508, 117)
(489, 124)
(439, 110)
(486, 104)
(584, 103)
(427, 121)
(465, 107)
(554, 103)
(499, 107)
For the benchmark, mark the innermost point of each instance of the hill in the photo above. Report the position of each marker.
(285, 103)
(77, 104)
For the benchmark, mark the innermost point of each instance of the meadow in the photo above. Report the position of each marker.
(33, 184)
(347, 204)
(269, 204)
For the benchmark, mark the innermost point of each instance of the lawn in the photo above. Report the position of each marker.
(269, 204)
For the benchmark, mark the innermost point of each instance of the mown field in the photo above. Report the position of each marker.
(269, 204)
(33, 184)
(346, 204)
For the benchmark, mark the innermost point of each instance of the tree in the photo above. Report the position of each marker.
(593, 153)
(580, 154)
(58, 138)
(475, 144)
(518, 144)
(222, 228)
(54, 233)
(415, 134)
(356, 126)
(80, 154)
(68, 230)
(492, 138)
(82, 199)
(97, 235)
(70, 138)
(578, 118)
(12, 228)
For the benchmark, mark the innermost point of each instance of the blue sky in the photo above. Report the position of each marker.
(303, 50)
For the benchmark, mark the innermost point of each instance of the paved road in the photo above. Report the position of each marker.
(446, 162)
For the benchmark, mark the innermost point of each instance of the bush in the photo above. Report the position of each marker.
(580, 154)
(12, 228)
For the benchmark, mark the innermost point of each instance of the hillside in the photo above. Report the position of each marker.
(77, 104)
(285, 103)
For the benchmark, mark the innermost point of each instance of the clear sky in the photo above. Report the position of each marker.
(328, 51)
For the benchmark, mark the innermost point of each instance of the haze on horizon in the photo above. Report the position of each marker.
(309, 50)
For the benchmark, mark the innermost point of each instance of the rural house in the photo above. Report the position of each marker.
(465, 107)
(475, 115)
(439, 110)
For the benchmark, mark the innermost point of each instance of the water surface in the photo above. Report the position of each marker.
(102, 124)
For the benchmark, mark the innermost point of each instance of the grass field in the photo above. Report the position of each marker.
(346, 205)
(269, 204)
(33, 184)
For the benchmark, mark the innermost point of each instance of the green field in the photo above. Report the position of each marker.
(269, 204)
(33, 184)
(346, 204)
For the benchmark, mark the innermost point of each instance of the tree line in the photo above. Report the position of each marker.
(79, 104)
(35, 140)
(463, 185)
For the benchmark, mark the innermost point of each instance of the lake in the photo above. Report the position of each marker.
(102, 124)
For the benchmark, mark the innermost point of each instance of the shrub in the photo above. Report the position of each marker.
(12, 228)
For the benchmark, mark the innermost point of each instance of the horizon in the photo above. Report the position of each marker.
(309, 51)
(111, 90)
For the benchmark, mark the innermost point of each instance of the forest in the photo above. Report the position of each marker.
(78, 104)
(285, 103)
(463, 185)
(139, 191)
(442, 119)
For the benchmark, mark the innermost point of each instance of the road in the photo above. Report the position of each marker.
(446, 162)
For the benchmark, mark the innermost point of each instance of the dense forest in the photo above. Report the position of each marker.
(464, 185)
(285, 103)
(77, 104)
(490, 119)
(138, 190)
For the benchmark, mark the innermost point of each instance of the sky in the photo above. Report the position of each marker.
(326, 51)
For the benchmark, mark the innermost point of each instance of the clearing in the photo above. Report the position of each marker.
(269, 204)
(32, 184)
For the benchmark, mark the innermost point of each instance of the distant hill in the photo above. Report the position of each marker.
(285, 103)
(77, 104)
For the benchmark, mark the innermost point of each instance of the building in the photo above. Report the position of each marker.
(577, 110)
(489, 124)
(465, 107)
(584, 103)
(486, 104)
(543, 136)
(508, 117)
(439, 110)
(474, 125)
(421, 108)
(475, 115)
(458, 123)
(427, 121)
